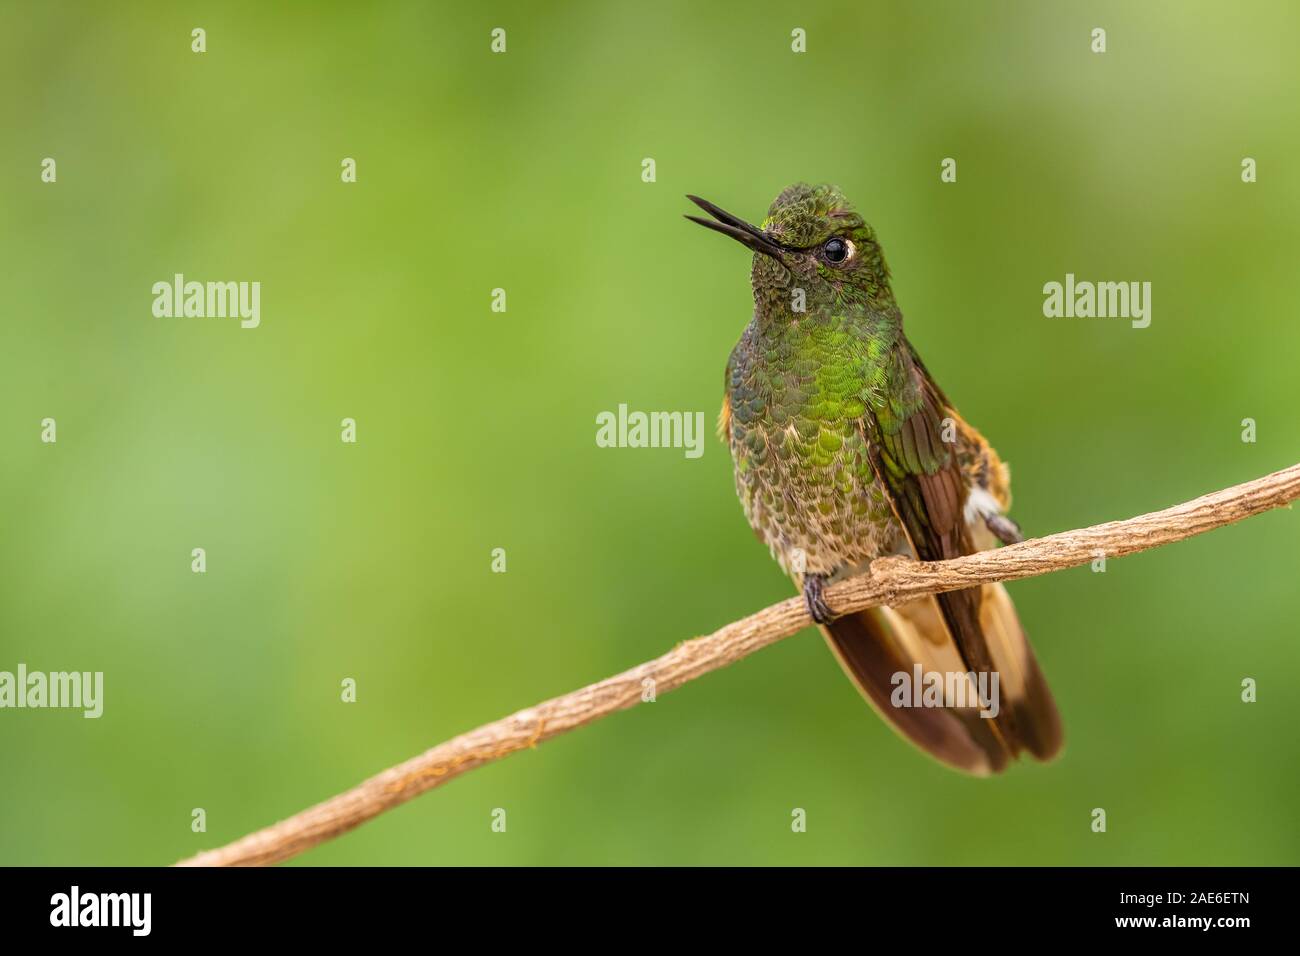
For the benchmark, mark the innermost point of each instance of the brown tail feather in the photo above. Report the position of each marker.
(1023, 688)
(876, 644)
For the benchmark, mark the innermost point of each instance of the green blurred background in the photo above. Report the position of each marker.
(476, 429)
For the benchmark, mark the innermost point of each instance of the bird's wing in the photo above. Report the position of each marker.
(927, 489)
(928, 459)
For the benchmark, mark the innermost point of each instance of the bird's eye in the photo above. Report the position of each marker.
(837, 250)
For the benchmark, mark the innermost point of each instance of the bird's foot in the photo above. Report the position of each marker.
(1003, 528)
(813, 586)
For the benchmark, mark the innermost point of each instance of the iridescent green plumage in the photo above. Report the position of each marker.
(796, 398)
(819, 357)
(845, 450)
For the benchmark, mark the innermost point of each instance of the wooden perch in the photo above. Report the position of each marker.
(890, 581)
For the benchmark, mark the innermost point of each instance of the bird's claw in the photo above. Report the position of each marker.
(1003, 528)
(813, 586)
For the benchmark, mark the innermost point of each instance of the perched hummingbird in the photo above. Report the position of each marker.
(845, 450)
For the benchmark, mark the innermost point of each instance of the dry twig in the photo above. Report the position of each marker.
(891, 581)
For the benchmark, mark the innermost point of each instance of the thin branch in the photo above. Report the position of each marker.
(890, 581)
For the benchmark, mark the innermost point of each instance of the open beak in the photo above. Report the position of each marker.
(736, 228)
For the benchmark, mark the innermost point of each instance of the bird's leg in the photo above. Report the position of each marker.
(813, 585)
(1003, 528)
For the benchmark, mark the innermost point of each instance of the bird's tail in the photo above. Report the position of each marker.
(906, 663)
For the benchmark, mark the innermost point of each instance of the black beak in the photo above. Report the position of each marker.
(736, 228)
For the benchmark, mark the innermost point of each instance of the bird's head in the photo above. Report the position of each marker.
(812, 240)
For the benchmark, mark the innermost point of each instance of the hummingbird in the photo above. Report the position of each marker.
(845, 450)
